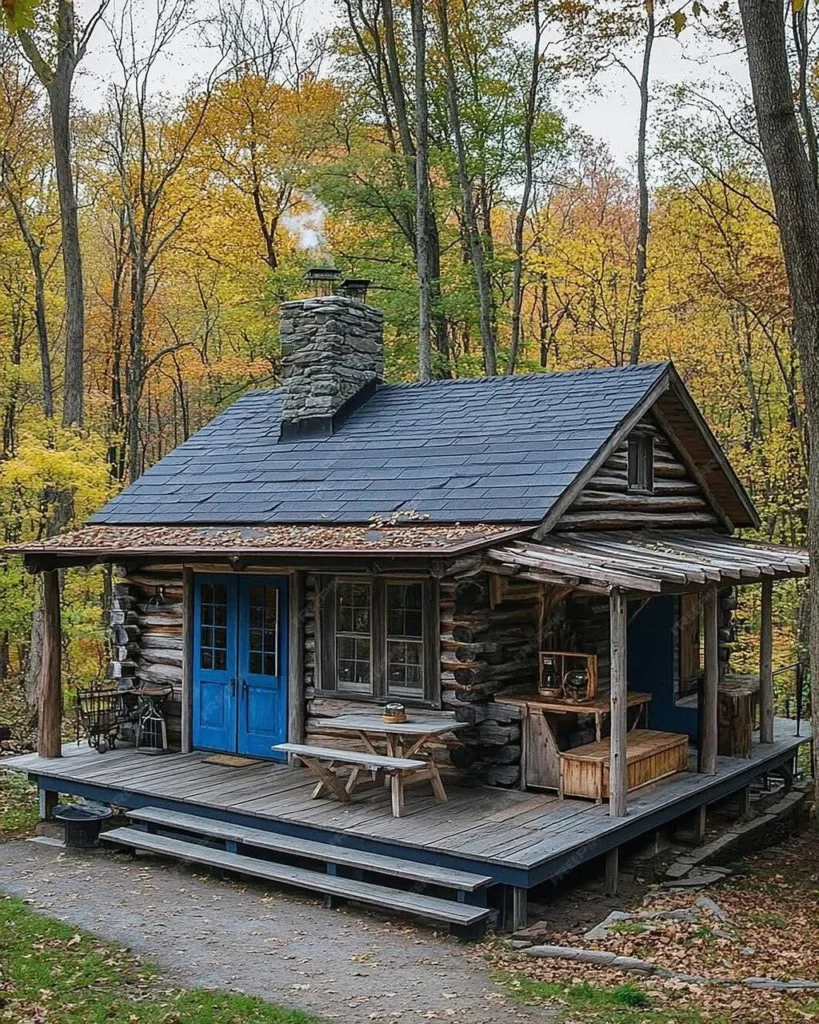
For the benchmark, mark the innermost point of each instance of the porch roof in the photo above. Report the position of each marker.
(647, 562)
(106, 543)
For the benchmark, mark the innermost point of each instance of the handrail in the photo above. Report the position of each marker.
(798, 668)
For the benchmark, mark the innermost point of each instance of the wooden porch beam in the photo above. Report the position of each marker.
(618, 763)
(766, 690)
(708, 712)
(49, 728)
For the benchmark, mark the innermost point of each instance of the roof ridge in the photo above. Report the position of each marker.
(505, 377)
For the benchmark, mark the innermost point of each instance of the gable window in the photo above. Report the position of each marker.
(641, 462)
(378, 638)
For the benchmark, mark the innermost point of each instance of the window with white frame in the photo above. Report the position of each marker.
(378, 638)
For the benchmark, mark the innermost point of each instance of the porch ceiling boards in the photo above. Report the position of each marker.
(648, 563)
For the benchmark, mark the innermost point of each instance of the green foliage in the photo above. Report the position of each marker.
(77, 978)
(20, 15)
(18, 806)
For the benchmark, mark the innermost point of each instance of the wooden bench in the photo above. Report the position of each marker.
(650, 755)
(395, 768)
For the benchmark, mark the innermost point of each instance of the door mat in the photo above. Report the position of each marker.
(231, 760)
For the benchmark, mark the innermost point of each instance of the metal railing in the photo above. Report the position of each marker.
(793, 698)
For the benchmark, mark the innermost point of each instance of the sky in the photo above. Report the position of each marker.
(609, 112)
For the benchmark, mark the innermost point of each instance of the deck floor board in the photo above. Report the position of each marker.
(507, 828)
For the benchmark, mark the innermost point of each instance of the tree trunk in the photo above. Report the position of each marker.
(422, 191)
(135, 375)
(797, 210)
(470, 217)
(59, 94)
(641, 256)
(523, 207)
(40, 319)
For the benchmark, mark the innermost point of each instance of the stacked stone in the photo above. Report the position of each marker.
(332, 347)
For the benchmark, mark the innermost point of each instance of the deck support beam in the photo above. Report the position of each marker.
(50, 704)
(710, 690)
(612, 872)
(618, 759)
(766, 690)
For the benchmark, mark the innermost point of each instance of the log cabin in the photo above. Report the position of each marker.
(537, 572)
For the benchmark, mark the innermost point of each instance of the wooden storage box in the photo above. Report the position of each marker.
(651, 755)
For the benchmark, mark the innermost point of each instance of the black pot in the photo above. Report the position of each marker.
(82, 823)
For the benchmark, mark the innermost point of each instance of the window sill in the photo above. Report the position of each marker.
(364, 698)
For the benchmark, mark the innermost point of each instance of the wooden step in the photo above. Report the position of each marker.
(332, 885)
(410, 870)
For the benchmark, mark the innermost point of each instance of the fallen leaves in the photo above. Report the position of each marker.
(771, 931)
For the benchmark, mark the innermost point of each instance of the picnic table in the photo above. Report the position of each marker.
(408, 755)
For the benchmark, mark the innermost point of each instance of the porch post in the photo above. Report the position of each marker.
(49, 730)
(618, 765)
(710, 695)
(766, 691)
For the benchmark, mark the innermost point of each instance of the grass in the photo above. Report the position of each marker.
(18, 805)
(626, 1003)
(50, 971)
(628, 928)
(768, 919)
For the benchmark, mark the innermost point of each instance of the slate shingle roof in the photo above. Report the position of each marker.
(489, 450)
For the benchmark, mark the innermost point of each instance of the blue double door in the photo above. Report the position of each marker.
(240, 663)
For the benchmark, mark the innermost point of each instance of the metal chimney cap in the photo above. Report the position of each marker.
(323, 274)
(355, 287)
(323, 279)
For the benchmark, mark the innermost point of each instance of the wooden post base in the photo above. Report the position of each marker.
(48, 800)
(514, 908)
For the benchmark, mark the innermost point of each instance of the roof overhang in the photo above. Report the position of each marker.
(648, 563)
(99, 544)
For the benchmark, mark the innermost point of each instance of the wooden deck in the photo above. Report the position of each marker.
(518, 838)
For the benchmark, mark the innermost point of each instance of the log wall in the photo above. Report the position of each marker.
(677, 501)
(146, 635)
(489, 641)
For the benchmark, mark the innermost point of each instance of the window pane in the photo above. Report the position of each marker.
(352, 648)
(352, 607)
(213, 638)
(404, 609)
(405, 674)
(263, 635)
(353, 663)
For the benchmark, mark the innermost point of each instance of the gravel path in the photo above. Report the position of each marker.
(346, 965)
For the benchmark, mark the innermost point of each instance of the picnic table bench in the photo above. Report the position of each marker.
(398, 765)
(322, 761)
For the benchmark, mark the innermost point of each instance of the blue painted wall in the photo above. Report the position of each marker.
(652, 642)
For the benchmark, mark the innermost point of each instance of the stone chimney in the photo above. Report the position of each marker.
(332, 361)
